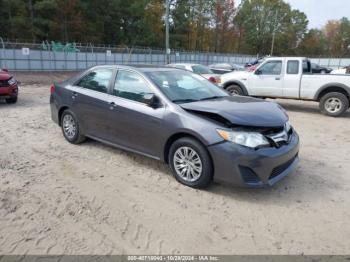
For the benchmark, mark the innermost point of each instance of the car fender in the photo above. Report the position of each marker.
(335, 84)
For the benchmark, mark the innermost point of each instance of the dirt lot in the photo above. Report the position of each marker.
(94, 199)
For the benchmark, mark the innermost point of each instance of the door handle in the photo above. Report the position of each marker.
(74, 95)
(112, 105)
(278, 78)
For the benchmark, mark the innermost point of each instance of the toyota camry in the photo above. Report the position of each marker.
(181, 118)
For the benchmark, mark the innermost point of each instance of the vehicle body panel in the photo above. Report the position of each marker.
(7, 89)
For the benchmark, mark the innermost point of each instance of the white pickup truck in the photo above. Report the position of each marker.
(291, 77)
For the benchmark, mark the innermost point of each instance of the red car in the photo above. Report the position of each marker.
(8, 87)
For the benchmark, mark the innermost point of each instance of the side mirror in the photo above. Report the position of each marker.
(152, 100)
(257, 72)
(5, 70)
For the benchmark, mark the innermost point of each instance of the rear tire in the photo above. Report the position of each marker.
(235, 90)
(334, 104)
(70, 128)
(195, 168)
(11, 100)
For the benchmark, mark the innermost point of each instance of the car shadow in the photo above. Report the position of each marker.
(300, 186)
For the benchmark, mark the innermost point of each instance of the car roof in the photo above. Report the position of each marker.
(138, 67)
(184, 64)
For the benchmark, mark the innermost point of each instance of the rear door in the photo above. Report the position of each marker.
(292, 78)
(91, 101)
(267, 79)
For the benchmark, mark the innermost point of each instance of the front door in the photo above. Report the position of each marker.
(135, 124)
(267, 80)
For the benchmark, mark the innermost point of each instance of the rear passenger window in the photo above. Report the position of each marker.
(293, 67)
(97, 80)
(306, 67)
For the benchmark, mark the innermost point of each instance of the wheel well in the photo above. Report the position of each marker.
(238, 84)
(177, 136)
(332, 89)
(231, 83)
(60, 112)
(172, 139)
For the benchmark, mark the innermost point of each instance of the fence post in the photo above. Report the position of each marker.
(2, 53)
(41, 60)
(14, 58)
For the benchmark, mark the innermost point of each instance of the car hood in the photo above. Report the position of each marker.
(239, 110)
(207, 76)
(236, 75)
(4, 75)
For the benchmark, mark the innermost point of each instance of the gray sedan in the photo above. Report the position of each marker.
(181, 118)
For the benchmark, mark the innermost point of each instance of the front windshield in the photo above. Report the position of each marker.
(200, 69)
(183, 87)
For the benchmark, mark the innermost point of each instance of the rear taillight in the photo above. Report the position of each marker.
(212, 79)
(52, 89)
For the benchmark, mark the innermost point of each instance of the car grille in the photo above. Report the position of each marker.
(4, 83)
(280, 138)
(249, 176)
(281, 168)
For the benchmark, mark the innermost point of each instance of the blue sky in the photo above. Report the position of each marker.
(320, 11)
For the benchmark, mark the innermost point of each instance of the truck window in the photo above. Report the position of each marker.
(306, 67)
(271, 68)
(293, 67)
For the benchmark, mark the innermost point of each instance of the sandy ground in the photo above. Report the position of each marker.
(57, 198)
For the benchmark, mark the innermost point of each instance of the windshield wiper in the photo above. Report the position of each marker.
(184, 100)
(210, 98)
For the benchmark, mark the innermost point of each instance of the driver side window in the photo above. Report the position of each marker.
(271, 68)
(131, 86)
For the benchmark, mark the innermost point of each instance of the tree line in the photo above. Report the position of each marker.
(195, 25)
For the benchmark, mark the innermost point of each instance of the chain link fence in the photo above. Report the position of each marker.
(55, 56)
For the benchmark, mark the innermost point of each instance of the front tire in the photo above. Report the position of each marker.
(11, 100)
(70, 128)
(334, 104)
(235, 90)
(190, 163)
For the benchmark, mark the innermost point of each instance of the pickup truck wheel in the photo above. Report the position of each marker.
(334, 104)
(235, 90)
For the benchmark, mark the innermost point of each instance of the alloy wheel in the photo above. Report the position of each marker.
(187, 164)
(69, 126)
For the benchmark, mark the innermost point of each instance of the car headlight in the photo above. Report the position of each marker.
(287, 127)
(11, 81)
(244, 138)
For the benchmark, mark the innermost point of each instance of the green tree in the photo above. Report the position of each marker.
(258, 20)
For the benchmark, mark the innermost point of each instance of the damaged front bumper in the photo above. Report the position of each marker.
(8, 91)
(242, 166)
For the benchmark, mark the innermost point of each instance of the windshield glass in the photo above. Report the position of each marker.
(199, 69)
(183, 87)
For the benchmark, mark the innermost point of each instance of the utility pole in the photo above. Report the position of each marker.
(167, 48)
(274, 34)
